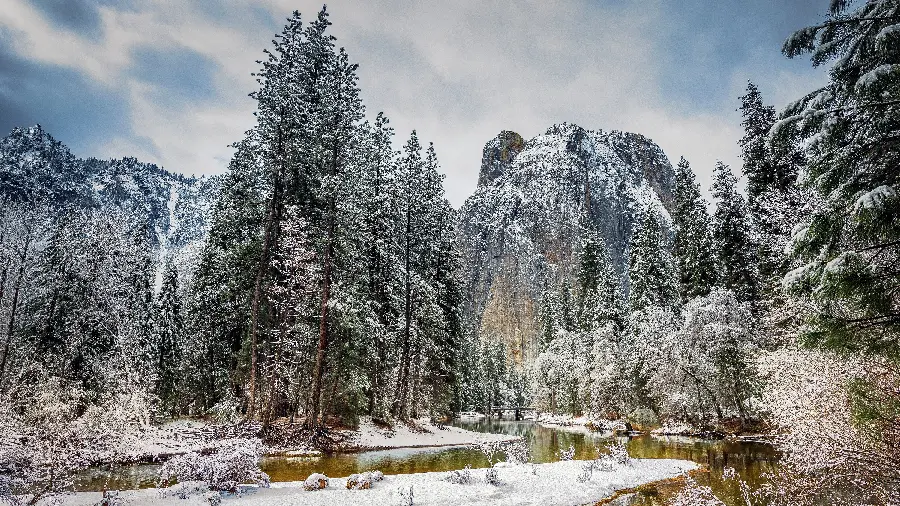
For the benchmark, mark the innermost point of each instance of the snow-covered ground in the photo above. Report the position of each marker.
(580, 424)
(424, 433)
(184, 436)
(554, 484)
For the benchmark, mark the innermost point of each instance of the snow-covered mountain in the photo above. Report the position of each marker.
(521, 231)
(39, 170)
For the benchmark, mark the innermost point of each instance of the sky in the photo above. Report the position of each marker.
(167, 81)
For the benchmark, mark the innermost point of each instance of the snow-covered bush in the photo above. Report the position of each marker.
(491, 477)
(44, 443)
(111, 498)
(567, 454)
(587, 470)
(701, 365)
(185, 489)
(460, 477)
(618, 453)
(315, 481)
(842, 440)
(235, 462)
(363, 481)
(405, 496)
(227, 410)
(516, 451)
(562, 373)
(694, 494)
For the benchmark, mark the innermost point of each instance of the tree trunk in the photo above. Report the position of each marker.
(403, 377)
(269, 239)
(312, 419)
(23, 260)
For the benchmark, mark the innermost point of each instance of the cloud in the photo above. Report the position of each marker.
(75, 107)
(78, 16)
(177, 74)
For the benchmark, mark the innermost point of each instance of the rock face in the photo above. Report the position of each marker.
(521, 231)
(498, 156)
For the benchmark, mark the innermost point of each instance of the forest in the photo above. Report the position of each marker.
(322, 282)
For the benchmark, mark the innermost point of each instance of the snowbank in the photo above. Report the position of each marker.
(553, 484)
(582, 425)
(423, 434)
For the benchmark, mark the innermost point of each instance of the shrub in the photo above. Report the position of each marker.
(315, 481)
(461, 477)
(364, 481)
(235, 462)
(491, 477)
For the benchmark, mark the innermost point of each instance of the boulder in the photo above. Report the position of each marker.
(316, 481)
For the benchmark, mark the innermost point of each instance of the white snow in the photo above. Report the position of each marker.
(423, 434)
(553, 484)
(876, 198)
(874, 75)
(671, 428)
(886, 32)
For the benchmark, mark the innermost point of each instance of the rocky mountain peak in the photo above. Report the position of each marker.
(498, 155)
(522, 230)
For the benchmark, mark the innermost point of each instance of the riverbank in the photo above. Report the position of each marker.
(729, 429)
(160, 443)
(553, 484)
(417, 434)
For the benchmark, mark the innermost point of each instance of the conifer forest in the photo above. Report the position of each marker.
(321, 297)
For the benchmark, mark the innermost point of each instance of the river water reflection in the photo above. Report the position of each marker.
(751, 460)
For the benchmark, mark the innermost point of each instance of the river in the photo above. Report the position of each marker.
(751, 460)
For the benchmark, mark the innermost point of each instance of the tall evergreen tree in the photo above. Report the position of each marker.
(652, 273)
(693, 250)
(731, 232)
(598, 291)
(168, 337)
(850, 244)
(772, 194)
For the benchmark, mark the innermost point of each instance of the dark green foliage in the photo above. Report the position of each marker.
(652, 272)
(693, 249)
(168, 338)
(731, 232)
(849, 245)
(327, 286)
(599, 293)
(773, 198)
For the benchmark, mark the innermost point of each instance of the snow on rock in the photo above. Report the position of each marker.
(316, 481)
(422, 434)
(553, 484)
(521, 230)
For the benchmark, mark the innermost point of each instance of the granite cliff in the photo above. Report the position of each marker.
(521, 230)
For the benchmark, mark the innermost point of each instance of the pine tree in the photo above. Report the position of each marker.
(652, 274)
(693, 249)
(169, 334)
(758, 119)
(378, 180)
(772, 194)
(218, 310)
(850, 244)
(731, 232)
(598, 291)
